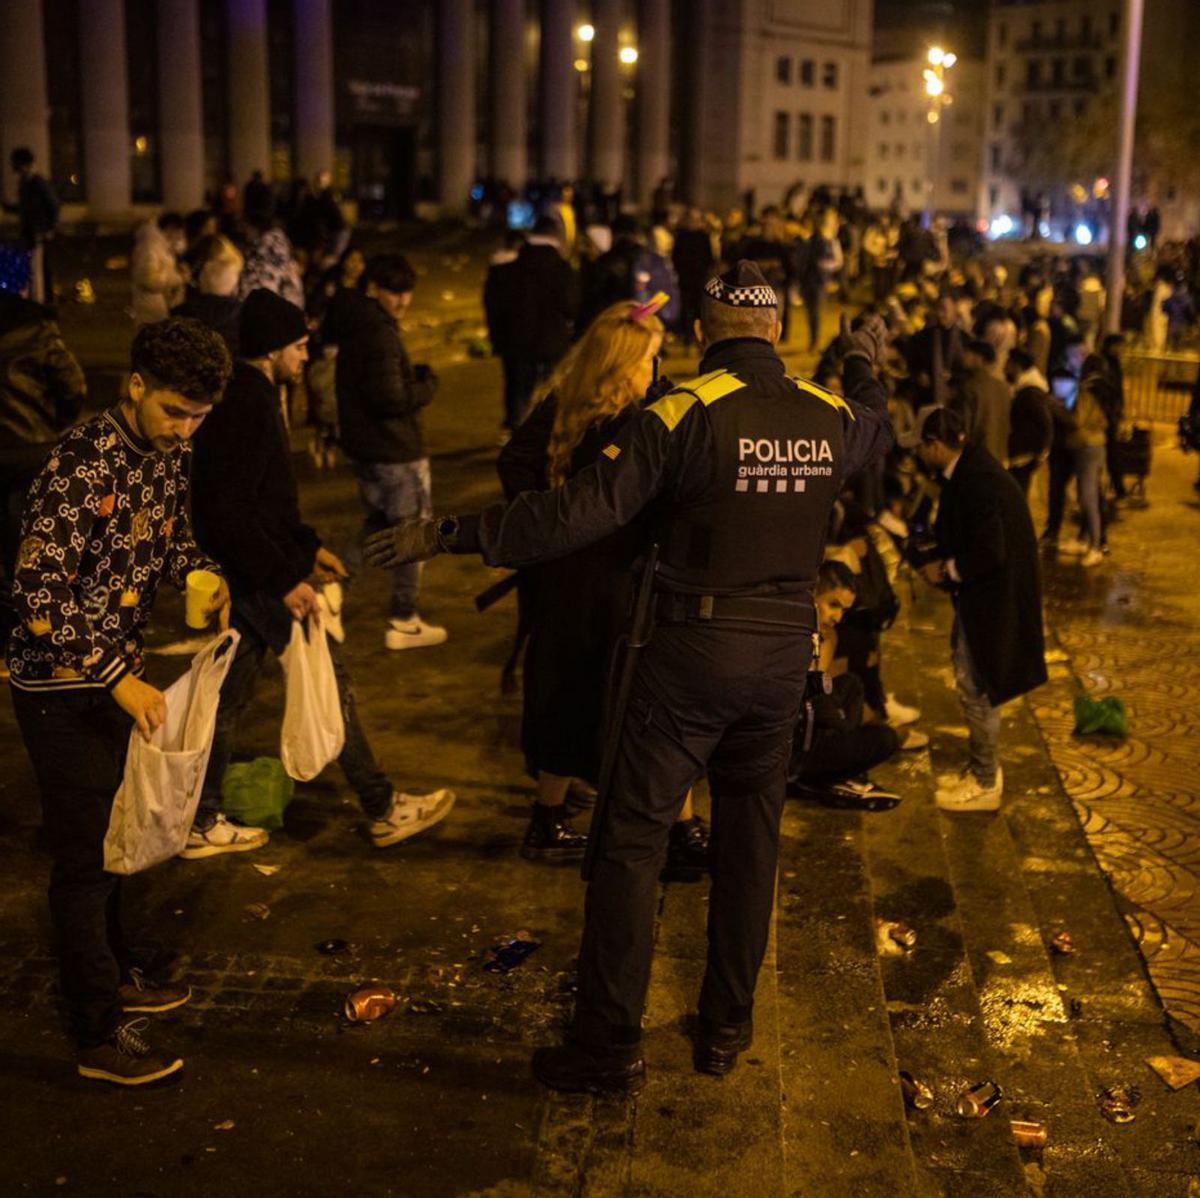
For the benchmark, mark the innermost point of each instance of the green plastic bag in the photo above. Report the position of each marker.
(257, 792)
(1100, 717)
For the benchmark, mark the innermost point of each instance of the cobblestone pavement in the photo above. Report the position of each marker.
(1132, 629)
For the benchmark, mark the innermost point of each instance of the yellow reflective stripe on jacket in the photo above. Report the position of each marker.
(706, 389)
(834, 401)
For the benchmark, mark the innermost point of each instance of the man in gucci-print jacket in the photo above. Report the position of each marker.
(106, 521)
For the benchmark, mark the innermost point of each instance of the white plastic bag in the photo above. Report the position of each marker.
(313, 728)
(157, 800)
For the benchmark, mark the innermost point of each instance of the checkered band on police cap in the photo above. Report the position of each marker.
(744, 286)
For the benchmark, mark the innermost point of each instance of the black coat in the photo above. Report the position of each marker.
(245, 508)
(380, 393)
(531, 304)
(983, 524)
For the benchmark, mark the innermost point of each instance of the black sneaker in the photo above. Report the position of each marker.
(855, 795)
(717, 1045)
(578, 1070)
(126, 1059)
(142, 994)
(687, 852)
(552, 837)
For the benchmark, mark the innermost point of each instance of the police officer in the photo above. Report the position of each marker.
(741, 466)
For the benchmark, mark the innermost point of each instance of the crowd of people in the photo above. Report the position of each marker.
(942, 401)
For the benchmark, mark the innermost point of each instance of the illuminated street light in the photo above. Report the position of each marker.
(581, 64)
(585, 33)
(948, 60)
(937, 56)
(628, 55)
(934, 85)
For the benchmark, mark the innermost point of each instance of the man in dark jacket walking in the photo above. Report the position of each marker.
(37, 210)
(989, 564)
(380, 394)
(247, 517)
(530, 305)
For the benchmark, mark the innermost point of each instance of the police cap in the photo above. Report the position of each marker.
(745, 286)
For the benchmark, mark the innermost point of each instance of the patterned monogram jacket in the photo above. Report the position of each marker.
(105, 520)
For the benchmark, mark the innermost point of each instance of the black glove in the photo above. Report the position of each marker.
(418, 538)
(870, 341)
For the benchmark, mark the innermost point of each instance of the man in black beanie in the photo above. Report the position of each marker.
(247, 515)
(742, 466)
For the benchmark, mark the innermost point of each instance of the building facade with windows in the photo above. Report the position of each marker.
(913, 163)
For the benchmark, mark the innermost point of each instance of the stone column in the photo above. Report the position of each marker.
(558, 89)
(180, 110)
(314, 87)
(653, 96)
(24, 107)
(606, 118)
(456, 102)
(249, 97)
(104, 97)
(508, 92)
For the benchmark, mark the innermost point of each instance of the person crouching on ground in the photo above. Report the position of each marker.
(577, 606)
(106, 521)
(989, 564)
(247, 516)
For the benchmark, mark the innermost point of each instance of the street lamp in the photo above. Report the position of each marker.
(628, 55)
(585, 33)
(939, 97)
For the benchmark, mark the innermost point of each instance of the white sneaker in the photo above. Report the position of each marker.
(413, 634)
(968, 794)
(408, 815)
(330, 599)
(898, 714)
(1074, 547)
(223, 837)
(1093, 557)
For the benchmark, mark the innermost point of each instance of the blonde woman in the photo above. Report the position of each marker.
(575, 607)
(212, 298)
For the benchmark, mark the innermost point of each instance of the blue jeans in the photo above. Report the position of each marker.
(265, 623)
(983, 720)
(391, 491)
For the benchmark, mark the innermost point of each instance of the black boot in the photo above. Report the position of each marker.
(718, 1044)
(552, 837)
(687, 852)
(576, 1069)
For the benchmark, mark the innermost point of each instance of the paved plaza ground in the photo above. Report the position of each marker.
(281, 1096)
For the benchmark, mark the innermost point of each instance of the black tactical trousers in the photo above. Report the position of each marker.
(704, 700)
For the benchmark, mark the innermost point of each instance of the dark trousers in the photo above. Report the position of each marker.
(811, 295)
(849, 749)
(521, 377)
(1024, 475)
(77, 740)
(266, 624)
(1112, 462)
(704, 700)
(1062, 469)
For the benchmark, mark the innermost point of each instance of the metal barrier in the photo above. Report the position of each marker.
(1158, 385)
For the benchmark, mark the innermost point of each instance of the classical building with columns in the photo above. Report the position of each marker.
(131, 104)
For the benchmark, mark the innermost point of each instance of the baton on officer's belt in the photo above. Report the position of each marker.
(630, 646)
(496, 592)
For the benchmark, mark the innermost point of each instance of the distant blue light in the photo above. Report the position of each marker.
(477, 192)
(1140, 241)
(1083, 235)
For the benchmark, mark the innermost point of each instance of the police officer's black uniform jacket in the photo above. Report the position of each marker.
(744, 462)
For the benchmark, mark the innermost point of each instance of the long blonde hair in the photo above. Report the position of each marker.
(593, 380)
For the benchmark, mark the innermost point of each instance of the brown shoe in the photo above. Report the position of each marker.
(142, 995)
(126, 1059)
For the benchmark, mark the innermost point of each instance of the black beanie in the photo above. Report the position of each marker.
(268, 323)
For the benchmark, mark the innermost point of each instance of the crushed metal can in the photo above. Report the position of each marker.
(893, 938)
(977, 1100)
(1062, 944)
(1028, 1134)
(1117, 1103)
(330, 948)
(916, 1093)
(369, 1003)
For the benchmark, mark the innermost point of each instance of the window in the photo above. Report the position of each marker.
(900, 149)
(1055, 110)
(1114, 24)
(804, 137)
(829, 75)
(881, 185)
(959, 187)
(782, 123)
(1035, 31)
(1110, 67)
(783, 69)
(1085, 28)
(1081, 68)
(993, 196)
(1027, 114)
(1080, 106)
(1060, 29)
(1002, 34)
(883, 149)
(1001, 74)
(917, 184)
(997, 156)
(1033, 73)
(960, 151)
(885, 118)
(997, 116)
(902, 117)
(1058, 71)
(808, 72)
(828, 138)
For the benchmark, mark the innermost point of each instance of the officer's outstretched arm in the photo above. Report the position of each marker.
(870, 434)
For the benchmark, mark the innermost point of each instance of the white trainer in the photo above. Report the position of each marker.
(408, 815)
(223, 837)
(1093, 557)
(1073, 547)
(898, 714)
(413, 634)
(969, 794)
